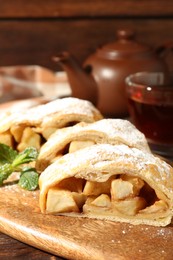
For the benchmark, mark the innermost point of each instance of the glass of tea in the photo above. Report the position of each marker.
(150, 104)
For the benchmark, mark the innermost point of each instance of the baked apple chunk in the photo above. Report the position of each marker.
(61, 201)
(77, 145)
(64, 201)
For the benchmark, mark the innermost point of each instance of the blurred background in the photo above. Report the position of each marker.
(31, 32)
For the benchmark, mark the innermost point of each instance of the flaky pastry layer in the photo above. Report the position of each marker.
(111, 131)
(33, 126)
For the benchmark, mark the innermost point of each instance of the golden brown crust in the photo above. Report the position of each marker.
(98, 163)
(59, 112)
(112, 131)
(46, 118)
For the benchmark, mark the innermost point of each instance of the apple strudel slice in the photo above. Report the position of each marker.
(112, 182)
(33, 126)
(67, 140)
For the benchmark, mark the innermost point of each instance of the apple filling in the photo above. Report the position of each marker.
(70, 148)
(22, 136)
(119, 195)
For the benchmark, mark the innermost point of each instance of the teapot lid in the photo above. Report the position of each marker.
(125, 45)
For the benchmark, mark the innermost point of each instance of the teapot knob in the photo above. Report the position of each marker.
(125, 34)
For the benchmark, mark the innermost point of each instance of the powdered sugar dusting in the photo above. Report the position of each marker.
(66, 106)
(113, 131)
(121, 130)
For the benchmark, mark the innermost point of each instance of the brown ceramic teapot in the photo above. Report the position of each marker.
(102, 77)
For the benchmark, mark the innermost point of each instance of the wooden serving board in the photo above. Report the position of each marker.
(79, 238)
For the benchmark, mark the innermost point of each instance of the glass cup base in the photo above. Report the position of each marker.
(163, 150)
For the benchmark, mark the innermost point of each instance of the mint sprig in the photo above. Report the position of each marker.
(7, 154)
(28, 155)
(12, 161)
(28, 179)
(5, 172)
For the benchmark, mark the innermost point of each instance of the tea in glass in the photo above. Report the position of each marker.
(150, 104)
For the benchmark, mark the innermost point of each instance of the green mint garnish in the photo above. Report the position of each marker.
(12, 161)
(29, 179)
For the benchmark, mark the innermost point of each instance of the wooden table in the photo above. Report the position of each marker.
(13, 249)
(142, 237)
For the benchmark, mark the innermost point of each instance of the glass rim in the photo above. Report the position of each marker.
(129, 80)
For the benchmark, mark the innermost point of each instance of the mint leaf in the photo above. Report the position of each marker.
(7, 154)
(5, 171)
(28, 155)
(11, 161)
(29, 179)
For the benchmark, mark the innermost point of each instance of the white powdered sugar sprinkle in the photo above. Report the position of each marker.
(66, 106)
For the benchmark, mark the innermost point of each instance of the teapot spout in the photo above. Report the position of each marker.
(82, 83)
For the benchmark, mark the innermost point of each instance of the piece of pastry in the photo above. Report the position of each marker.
(67, 140)
(112, 182)
(33, 126)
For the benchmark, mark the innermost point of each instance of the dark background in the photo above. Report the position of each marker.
(31, 32)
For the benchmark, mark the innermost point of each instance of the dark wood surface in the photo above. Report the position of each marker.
(35, 42)
(79, 8)
(31, 32)
(15, 250)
